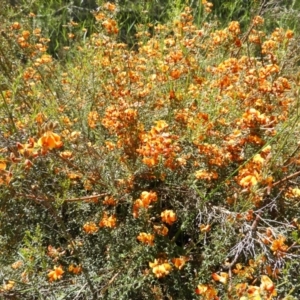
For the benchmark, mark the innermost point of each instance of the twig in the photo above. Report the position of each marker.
(103, 290)
(286, 178)
(251, 230)
(40, 199)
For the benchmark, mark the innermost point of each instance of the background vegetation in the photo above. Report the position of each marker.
(149, 150)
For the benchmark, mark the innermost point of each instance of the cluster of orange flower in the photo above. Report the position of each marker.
(90, 227)
(266, 290)
(56, 273)
(75, 269)
(27, 152)
(121, 120)
(146, 238)
(158, 145)
(251, 174)
(212, 122)
(168, 216)
(144, 201)
(277, 245)
(110, 25)
(161, 266)
(106, 221)
(50, 140)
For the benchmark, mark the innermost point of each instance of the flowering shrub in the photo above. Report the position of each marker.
(168, 171)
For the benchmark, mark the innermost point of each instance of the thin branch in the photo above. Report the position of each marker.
(286, 178)
(84, 198)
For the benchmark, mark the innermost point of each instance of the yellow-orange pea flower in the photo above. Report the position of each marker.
(146, 238)
(223, 277)
(90, 227)
(278, 246)
(161, 229)
(289, 34)
(267, 285)
(248, 181)
(55, 274)
(160, 268)
(16, 26)
(179, 262)
(109, 6)
(144, 201)
(16, 265)
(66, 154)
(205, 227)
(50, 140)
(207, 291)
(108, 221)
(168, 216)
(110, 201)
(75, 269)
(8, 286)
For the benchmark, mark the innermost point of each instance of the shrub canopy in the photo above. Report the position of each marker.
(166, 170)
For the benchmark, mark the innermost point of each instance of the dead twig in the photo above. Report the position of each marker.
(85, 198)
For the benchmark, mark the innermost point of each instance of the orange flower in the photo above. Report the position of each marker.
(202, 174)
(245, 271)
(28, 149)
(253, 293)
(90, 227)
(248, 181)
(55, 274)
(258, 20)
(234, 27)
(278, 246)
(179, 262)
(93, 118)
(160, 268)
(2, 164)
(75, 269)
(66, 154)
(144, 201)
(5, 177)
(241, 289)
(267, 285)
(223, 277)
(207, 291)
(16, 26)
(289, 34)
(168, 216)
(108, 221)
(205, 227)
(109, 6)
(146, 238)
(8, 286)
(50, 140)
(110, 201)
(25, 34)
(16, 265)
(74, 176)
(40, 118)
(160, 126)
(148, 197)
(175, 74)
(161, 229)
(150, 162)
(110, 25)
